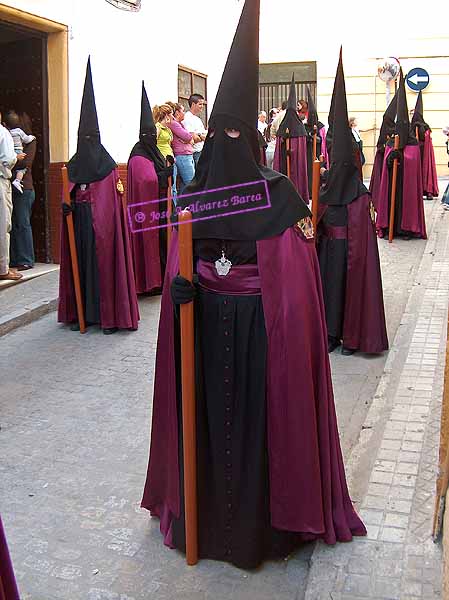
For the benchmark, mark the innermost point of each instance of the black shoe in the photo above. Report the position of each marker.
(75, 327)
(347, 351)
(110, 330)
(332, 343)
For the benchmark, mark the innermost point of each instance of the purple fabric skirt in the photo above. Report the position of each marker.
(242, 280)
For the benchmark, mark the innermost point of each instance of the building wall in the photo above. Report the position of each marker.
(126, 47)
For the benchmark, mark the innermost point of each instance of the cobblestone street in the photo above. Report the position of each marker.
(75, 416)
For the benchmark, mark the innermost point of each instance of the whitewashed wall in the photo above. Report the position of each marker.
(126, 47)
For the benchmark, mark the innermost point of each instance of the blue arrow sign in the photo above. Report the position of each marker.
(417, 79)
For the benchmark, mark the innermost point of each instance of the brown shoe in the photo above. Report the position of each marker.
(11, 276)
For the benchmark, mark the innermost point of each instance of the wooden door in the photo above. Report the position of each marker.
(23, 87)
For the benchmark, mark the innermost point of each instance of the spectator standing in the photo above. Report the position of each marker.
(20, 138)
(358, 139)
(278, 119)
(193, 123)
(163, 115)
(262, 122)
(22, 247)
(182, 145)
(271, 139)
(8, 159)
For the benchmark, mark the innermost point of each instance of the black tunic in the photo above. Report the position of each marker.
(87, 261)
(333, 256)
(233, 478)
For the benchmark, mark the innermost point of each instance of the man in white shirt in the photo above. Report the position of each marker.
(8, 159)
(262, 122)
(194, 124)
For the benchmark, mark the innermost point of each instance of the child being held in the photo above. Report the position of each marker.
(20, 138)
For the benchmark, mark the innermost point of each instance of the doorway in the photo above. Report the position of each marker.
(24, 88)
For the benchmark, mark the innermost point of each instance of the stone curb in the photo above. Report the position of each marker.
(27, 315)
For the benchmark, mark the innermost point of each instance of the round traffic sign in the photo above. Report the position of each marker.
(417, 79)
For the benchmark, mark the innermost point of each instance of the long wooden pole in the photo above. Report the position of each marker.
(287, 152)
(73, 254)
(417, 133)
(188, 392)
(314, 156)
(394, 178)
(315, 194)
(169, 214)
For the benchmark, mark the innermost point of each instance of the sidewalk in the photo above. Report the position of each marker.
(28, 300)
(394, 464)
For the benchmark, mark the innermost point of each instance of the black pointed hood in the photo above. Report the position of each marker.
(418, 118)
(91, 161)
(388, 122)
(234, 161)
(147, 144)
(291, 125)
(402, 118)
(343, 183)
(338, 77)
(312, 119)
(238, 92)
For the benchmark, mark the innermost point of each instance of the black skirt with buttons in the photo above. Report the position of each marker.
(233, 478)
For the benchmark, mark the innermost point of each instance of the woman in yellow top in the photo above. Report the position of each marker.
(163, 114)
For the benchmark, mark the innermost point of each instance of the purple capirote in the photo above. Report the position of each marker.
(8, 586)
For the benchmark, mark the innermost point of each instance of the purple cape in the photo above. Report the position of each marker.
(364, 325)
(143, 186)
(308, 490)
(118, 299)
(376, 176)
(298, 174)
(429, 170)
(8, 586)
(412, 193)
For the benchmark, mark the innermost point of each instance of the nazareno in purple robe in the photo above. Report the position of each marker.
(298, 169)
(308, 490)
(145, 246)
(8, 586)
(410, 192)
(322, 133)
(429, 170)
(118, 299)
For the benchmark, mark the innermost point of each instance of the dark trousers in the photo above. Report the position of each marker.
(21, 240)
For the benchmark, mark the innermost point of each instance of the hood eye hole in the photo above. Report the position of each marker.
(232, 133)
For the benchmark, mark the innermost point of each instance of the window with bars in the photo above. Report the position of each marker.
(192, 82)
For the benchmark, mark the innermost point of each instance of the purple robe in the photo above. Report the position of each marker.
(376, 176)
(308, 490)
(364, 325)
(118, 299)
(143, 186)
(413, 220)
(298, 169)
(429, 170)
(8, 586)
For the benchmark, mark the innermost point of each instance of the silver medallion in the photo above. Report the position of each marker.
(223, 265)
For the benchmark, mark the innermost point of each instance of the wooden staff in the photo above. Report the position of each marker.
(393, 191)
(169, 213)
(315, 194)
(73, 254)
(314, 157)
(417, 133)
(188, 392)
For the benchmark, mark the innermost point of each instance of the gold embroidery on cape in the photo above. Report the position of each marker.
(372, 212)
(306, 227)
(120, 188)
